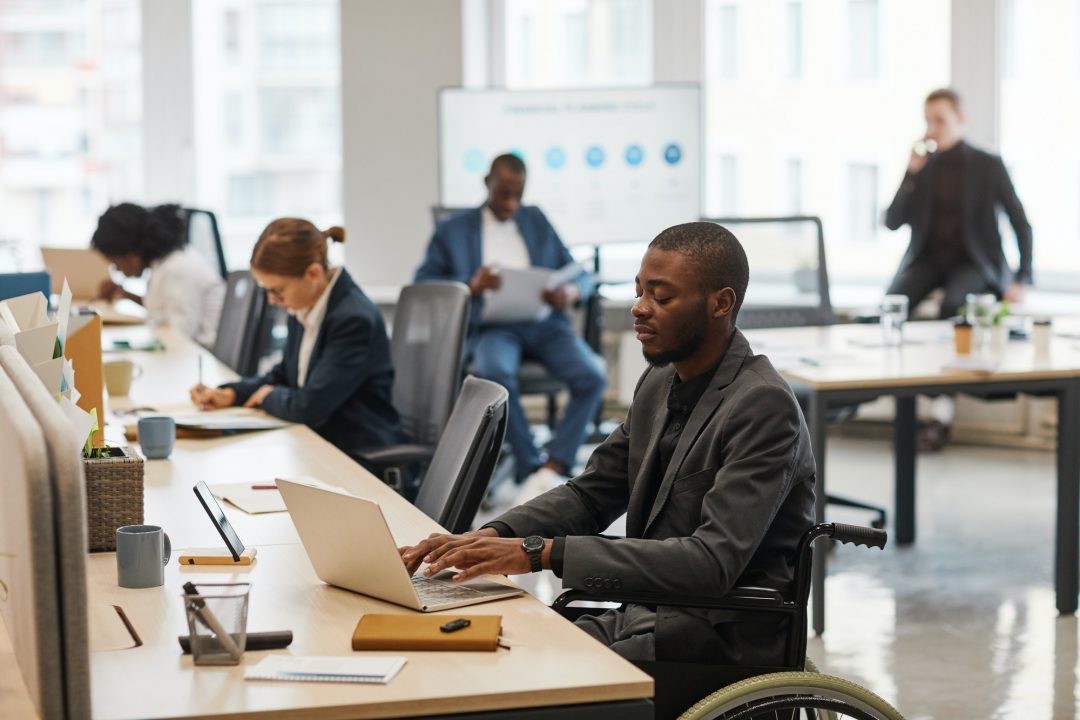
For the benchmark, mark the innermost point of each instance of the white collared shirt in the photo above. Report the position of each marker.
(502, 243)
(312, 320)
(185, 293)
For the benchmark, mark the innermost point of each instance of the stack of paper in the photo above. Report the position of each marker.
(41, 342)
(519, 299)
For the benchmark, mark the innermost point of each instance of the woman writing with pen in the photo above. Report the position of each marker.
(335, 375)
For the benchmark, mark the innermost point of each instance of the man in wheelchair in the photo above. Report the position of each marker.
(712, 467)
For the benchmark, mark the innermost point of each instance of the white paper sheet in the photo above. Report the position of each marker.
(37, 345)
(30, 311)
(63, 316)
(81, 421)
(51, 374)
(251, 501)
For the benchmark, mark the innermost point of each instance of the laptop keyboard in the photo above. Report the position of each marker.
(436, 592)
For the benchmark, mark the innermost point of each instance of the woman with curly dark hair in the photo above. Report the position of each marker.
(183, 291)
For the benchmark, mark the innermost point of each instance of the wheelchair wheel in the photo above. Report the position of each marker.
(792, 696)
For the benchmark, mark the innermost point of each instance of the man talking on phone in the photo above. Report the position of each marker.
(950, 197)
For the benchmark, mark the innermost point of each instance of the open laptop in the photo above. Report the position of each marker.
(85, 269)
(350, 546)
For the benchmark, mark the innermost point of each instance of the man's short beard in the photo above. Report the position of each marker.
(695, 336)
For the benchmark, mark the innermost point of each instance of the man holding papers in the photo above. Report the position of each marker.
(506, 252)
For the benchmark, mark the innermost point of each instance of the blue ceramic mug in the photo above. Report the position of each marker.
(156, 436)
(142, 552)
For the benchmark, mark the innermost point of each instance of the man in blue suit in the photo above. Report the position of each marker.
(471, 247)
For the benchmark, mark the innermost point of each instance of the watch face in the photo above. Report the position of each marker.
(533, 543)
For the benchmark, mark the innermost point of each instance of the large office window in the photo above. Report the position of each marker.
(577, 43)
(724, 170)
(794, 43)
(268, 125)
(863, 31)
(1040, 111)
(830, 120)
(70, 118)
(721, 35)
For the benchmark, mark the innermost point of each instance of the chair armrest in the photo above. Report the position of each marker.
(397, 454)
(740, 598)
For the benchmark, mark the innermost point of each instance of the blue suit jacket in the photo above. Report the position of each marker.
(347, 395)
(456, 249)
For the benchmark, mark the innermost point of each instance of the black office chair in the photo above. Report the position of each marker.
(461, 468)
(426, 346)
(204, 236)
(242, 331)
(810, 281)
(679, 685)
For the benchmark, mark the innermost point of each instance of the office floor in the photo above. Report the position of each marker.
(962, 624)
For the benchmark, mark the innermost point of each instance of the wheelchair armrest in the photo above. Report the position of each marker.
(740, 598)
(397, 454)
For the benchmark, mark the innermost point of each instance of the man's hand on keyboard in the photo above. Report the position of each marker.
(473, 554)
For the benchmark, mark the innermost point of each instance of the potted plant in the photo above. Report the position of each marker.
(114, 492)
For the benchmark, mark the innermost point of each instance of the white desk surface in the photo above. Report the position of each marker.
(832, 358)
(551, 662)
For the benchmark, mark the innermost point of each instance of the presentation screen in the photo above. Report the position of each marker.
(604, 165)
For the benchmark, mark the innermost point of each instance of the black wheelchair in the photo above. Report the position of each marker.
(789, 691)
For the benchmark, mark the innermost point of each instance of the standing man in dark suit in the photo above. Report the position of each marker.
(472, 247)
(950, 198)
(712, 467)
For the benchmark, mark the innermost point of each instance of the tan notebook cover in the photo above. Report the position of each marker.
(83, 348)
(421, 632)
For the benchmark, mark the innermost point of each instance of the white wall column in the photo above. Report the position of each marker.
(678, 41)
(168, 102)
(395, 56)
(977, 36)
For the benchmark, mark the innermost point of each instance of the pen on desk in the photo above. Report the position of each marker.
(200, 371)
(810, 362)
(264, 487)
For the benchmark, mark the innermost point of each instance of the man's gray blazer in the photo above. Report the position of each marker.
(733, 503)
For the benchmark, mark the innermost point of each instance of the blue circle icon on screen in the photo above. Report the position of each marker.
(518, 153)
(672, 154)
(594, 156)
(634, 155)
(474, 160)
(555, 158)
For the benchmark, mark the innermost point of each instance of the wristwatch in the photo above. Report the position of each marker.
(533, 547)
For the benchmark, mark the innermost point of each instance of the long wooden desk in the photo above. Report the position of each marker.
(553, 669)
(837, 366)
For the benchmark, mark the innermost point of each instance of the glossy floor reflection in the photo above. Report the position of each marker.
(962, 624)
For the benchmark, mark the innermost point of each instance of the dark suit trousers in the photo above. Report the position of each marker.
(629, 631)
(928, 273)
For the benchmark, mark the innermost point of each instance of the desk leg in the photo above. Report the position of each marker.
(905, 433)
(818, 425)
(1068, 498)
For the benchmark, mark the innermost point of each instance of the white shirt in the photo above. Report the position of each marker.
(501, 243)
(185, 293)
(312, 320)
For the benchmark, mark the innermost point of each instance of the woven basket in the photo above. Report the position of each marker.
(114, 495)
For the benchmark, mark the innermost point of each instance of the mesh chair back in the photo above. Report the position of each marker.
(465, 457)
(203, 235)
(241, 325)
(430, 322)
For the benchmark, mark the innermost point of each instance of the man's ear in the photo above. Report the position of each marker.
(722, 302)
(487, 181)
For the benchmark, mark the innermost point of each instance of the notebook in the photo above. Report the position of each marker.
(421, 632)
(379, 670)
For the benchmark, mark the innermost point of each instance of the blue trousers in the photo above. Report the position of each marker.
(497, 352)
